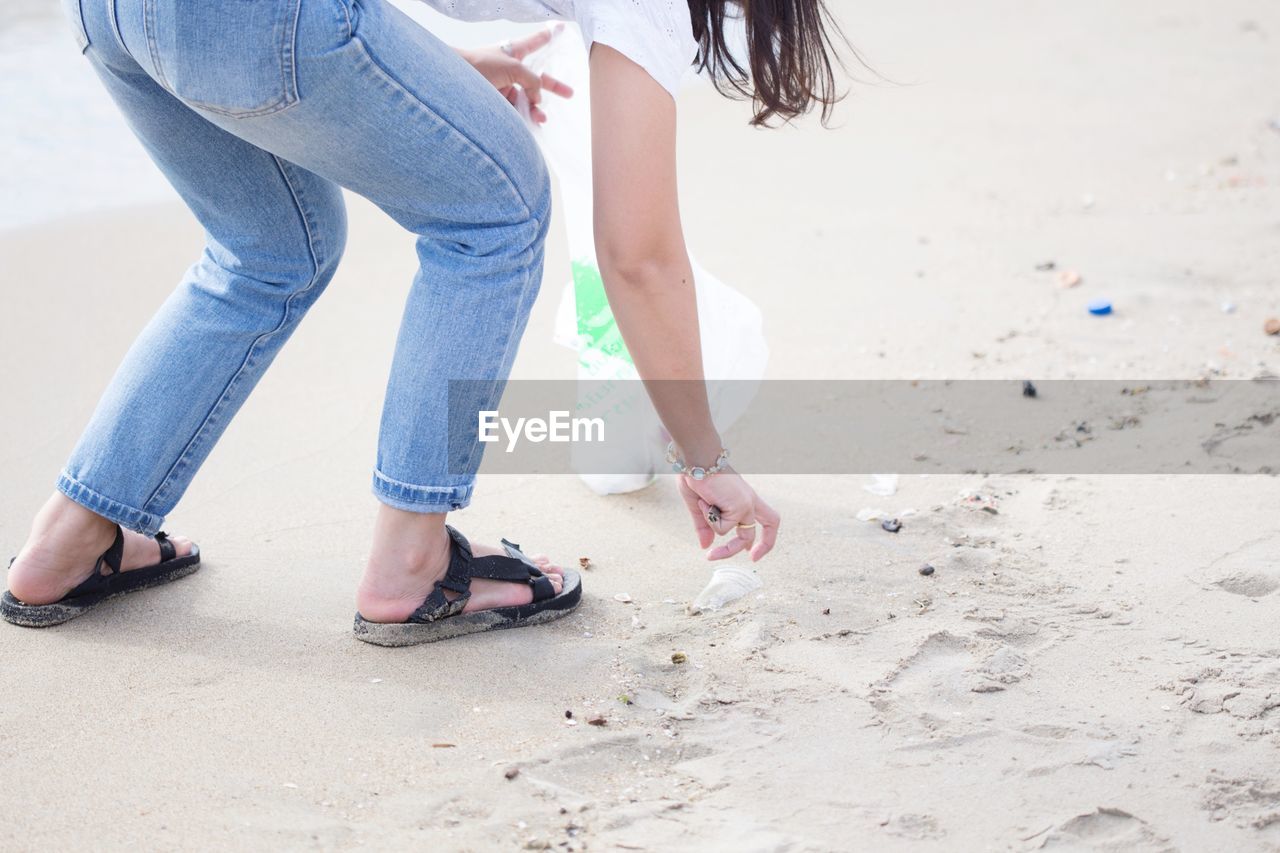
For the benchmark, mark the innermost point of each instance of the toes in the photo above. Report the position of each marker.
(557, 582)
(181, 547)
(181, 544)
(544, 562)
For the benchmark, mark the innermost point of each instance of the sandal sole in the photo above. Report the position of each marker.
(16, 612)
(496, 619)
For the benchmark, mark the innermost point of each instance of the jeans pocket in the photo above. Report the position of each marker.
(76, 16)
(231, 57)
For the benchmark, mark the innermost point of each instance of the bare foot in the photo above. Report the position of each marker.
(411, 552)
(65, 542)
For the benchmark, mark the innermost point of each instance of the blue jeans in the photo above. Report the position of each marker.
(257, 113)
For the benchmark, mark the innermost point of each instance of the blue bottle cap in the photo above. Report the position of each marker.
(1099, 307)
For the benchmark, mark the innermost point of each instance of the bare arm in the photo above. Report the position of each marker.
(640, 244)
(641, 253)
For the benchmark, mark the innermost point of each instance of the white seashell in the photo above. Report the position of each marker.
(728, 584)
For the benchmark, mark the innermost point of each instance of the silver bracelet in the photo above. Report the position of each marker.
(696, 472)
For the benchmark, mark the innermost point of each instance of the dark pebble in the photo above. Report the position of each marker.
(891, 524)
(1028, 389)
(568, 715)
(926, 570)
(826, 611)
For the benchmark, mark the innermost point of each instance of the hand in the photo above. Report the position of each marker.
(507, 72)
(736, 504)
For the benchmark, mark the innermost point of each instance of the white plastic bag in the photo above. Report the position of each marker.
(733, 344)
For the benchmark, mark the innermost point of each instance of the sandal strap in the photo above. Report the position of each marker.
(457, 579)
(514, 568)
(113, 555)
(499, 568)
(167, 551)
(463, 566)
(542, 588)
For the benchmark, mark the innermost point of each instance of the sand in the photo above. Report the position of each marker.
(1093, 667)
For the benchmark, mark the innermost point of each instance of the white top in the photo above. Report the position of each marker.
(657, 35)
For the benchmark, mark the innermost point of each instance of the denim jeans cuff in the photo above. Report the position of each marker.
(421, 498)
(146, 523)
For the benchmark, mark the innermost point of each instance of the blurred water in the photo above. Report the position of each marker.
(66, 150)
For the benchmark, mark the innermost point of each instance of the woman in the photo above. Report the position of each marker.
(258, 112)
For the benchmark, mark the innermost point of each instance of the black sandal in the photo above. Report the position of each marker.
(98, 587)
(440, 618)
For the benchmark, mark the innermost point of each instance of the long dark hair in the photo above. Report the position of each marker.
(789, 55)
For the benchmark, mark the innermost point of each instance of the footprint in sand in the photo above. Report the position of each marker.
(1249, 584)
(1252, 570)
(1105, 829)
(943, 678)
(1247, 690)
(1248, 801)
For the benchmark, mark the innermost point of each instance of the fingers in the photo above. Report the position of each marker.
(530, 82)
(533, 84)
(743, 537)
(769, 523)
(522, 47)
(556, 87)
(705, 534)
(720, 525)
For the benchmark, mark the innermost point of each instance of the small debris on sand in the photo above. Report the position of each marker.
(679, 657)
(1069, 278)
(926, 570)
(568, 715)
(1272, 326)
(512, 773)
(623, 597)
(598, 720)
(891, 524)
(443, 745)
(585, 563)
(975, 500)
(1029, 388)
(1047, 266)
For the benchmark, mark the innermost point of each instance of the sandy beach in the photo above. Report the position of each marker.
(1092, 664)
